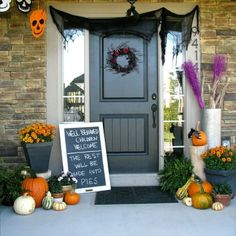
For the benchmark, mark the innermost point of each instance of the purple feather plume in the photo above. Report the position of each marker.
(191, 75)
(218, 66)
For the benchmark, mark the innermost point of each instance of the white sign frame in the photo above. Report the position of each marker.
(75, 125)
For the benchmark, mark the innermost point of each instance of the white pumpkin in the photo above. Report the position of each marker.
(24, 205)
(187, 201)
(217, 206)
(59, 206)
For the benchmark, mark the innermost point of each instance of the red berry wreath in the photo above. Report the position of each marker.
(116, 60)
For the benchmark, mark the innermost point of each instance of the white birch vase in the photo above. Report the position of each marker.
(211, 125)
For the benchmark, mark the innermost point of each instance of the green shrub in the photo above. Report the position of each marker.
(175, 174)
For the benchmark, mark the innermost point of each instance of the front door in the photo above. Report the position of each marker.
(123, 95)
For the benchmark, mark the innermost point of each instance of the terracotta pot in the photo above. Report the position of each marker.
(223, 198)
(58, 197)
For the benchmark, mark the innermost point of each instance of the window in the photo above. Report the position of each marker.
(73, 80)
(173, 96)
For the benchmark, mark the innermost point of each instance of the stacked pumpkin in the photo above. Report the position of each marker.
(198, 137)
(195, 192)
(198, 194)
(36, 194)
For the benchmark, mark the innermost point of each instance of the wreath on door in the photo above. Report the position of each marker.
(122, 59)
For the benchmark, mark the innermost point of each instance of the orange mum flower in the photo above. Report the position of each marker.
(37, 133)
(218, 154)
(223, 159)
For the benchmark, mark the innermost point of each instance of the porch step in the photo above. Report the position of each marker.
(148, 179)
(10, 161)
(9, 155)
(8, 150)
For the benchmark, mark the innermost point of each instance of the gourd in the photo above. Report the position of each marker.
(36, 188)
(47, 202)
(24, 205)
(182, 192)
(59, 206)
(195, 187)
(217, 206)
(198, 137)
(187, 201)
(202, 200)
(71, 198)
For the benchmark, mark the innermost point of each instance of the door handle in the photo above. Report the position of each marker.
(154, 110)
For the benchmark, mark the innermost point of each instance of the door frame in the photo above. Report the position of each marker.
(54, 76)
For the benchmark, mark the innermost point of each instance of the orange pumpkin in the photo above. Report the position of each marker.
(36, 188)
(199, 138)
(71, 198)
(195, 187)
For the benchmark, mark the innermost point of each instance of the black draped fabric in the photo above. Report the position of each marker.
(181, 23)
(169, 21)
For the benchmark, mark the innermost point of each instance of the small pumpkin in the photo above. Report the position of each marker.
(24, 205)
(198, 137)
(36, 188)
(187, 201)
(59, 206)
(195, 187)
(202, 200)
(71, 198)
(217, 206)
(47, 202)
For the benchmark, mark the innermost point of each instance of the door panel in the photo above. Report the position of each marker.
(127, 133)
(113, 80)
(121, 98)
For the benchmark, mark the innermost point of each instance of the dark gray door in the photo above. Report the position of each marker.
(123, 95)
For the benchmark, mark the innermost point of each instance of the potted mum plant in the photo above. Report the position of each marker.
(220, 165)
(36, 140)
(223, 193)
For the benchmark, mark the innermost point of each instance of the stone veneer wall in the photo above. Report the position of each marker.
(23, 66)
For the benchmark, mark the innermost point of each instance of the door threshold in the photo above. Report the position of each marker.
(148, 179)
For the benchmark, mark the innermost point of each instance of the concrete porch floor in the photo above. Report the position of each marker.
(173, 219)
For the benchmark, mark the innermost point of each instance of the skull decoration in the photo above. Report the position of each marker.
(4, 5)
(38, 22)
(24, 5)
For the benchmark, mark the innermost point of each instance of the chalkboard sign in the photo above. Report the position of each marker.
(84, 155)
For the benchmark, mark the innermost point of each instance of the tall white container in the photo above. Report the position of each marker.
(211, 125)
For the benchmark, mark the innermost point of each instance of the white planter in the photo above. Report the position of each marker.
(211, 125)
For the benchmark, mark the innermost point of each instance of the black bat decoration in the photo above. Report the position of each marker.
(194, 132)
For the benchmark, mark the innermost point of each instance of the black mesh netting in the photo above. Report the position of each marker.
(167, 20)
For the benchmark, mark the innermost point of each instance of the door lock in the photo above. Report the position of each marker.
(154, 96)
